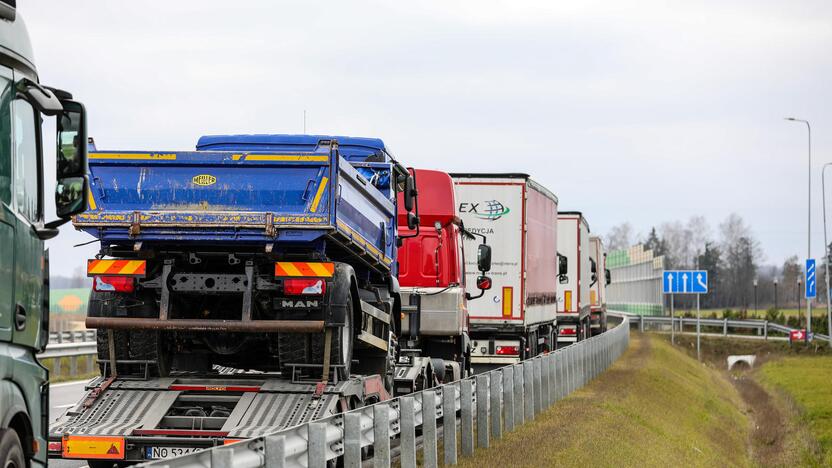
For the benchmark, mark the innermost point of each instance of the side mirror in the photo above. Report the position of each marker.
(593, 267)
(608, 276)
(563, 265)
(484, 258)
(70, 196)
(563, 279)
(41, 98)
(484, 283)
(409, 193)
(71, 140)
(412, 220)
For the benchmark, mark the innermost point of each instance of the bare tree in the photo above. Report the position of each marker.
(620, 237)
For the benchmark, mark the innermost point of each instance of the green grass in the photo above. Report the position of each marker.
(807, 380)
(655, 407)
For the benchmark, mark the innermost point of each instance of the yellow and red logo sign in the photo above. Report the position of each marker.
(117, 267)
(93, 447)
(309, 269)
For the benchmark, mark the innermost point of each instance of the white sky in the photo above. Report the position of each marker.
(640, 111)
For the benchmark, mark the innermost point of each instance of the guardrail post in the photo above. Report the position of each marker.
(60, 337)
(508, 397)
(73, 365)
(429, 428)
(466, 403)
(641, 323)
(528, 390)
(57, 366)
(546, 380)
(725, 327)
(496, 404)
(518, 395)
(381, 435)
(482, 410)
(275, 451)
(222, 457)
(765, 329)
(90, 363)
(449, 423)
(316, 444)
(538, 382)
(407, 429)
(352, 440)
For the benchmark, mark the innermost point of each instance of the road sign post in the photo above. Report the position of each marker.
(811, 293)
(685, 282)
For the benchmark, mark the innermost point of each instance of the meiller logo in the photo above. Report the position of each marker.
(491, 209)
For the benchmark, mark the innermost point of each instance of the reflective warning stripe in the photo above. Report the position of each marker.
(508, 301)
(314, 269)
(318, 195)
(117, 267)
(95, 447)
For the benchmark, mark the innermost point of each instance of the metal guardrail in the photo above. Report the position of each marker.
(72, 336)
(762, 327)
(496, 402)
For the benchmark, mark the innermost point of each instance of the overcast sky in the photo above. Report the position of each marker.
(640, 111)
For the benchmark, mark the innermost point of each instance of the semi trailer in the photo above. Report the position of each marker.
(598, 289)
(432, 267)
(518, 318)
(241, 288)
(574, 302)
(24, 265)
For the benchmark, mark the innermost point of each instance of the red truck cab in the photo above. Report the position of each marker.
(432, 278)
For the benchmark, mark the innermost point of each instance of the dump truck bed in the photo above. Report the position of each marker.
(255, 194)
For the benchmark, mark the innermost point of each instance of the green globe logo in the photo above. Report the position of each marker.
(494, 210)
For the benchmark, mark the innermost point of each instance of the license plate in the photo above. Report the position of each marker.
(154, 453)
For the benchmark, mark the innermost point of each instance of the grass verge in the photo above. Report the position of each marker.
(804, 381)
(655, 406)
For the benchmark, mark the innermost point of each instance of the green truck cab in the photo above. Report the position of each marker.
(24, 267)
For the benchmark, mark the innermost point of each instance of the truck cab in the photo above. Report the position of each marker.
(575, 285)
(598, 290)
(24, 266)
(432, 280)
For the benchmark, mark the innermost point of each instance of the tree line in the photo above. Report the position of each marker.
(732, 256)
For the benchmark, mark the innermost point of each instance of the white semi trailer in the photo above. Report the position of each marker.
(574, 290)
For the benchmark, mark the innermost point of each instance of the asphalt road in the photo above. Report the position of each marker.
(61, 397)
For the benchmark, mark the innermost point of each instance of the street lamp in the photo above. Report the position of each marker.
(809, 233)
(798, 300)
(755, 298)
(826, 254)
(775, 295)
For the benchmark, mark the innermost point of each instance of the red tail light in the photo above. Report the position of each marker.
(54, 446)
(304, 287)
(507, 350)
(122, 284)
(568, 331)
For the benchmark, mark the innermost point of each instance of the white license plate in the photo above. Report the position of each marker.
(154, 453)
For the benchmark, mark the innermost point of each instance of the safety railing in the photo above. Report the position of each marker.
(486, 405)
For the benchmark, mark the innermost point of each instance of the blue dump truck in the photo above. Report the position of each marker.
(241, 288)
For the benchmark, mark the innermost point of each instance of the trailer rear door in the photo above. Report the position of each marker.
(495, 208)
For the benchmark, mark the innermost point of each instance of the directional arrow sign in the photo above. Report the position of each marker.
(683, 285)
(700, 282)
(669, 284)
(811, 279)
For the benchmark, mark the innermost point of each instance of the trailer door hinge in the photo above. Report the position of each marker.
(270, 230)
(135, 225)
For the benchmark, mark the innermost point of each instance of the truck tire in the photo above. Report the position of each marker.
(11, 450)
(306, 348)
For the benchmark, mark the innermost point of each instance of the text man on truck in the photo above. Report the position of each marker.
(24, 266)
(574, 298)
(516, 320)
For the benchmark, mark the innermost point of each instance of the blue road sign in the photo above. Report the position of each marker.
(685, 282)
(811, 279)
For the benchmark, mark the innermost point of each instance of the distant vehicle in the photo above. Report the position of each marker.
(574, 302)
(24, 265)
(519, 218)
(598, 289)
(432, 277)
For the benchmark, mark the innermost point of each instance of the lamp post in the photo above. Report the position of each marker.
(826, 254)
(755, 298)
(775, 295)
(809, 222)
(798, 299)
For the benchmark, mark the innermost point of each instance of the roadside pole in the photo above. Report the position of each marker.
(698, 354)
(672, 326)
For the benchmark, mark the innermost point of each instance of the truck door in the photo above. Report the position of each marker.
(26, 205)
(7, 217)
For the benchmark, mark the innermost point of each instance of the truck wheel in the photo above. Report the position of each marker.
(11, 451)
